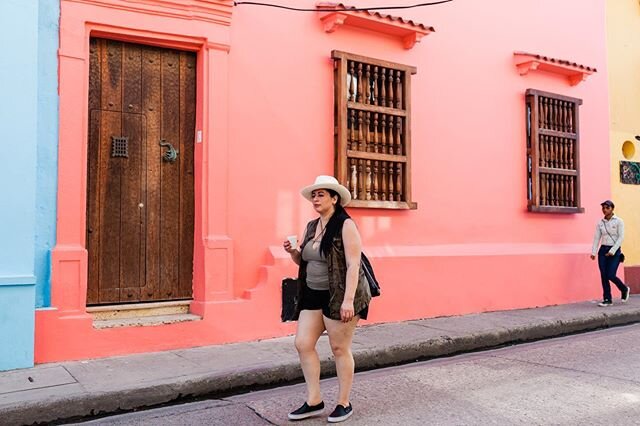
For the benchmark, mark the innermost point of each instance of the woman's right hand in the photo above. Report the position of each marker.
(287, 247)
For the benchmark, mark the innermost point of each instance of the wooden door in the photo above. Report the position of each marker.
(140, 201)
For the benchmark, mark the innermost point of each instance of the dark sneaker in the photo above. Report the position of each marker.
(605, 303)
(625, 294)
(306, 411)
(340, 414)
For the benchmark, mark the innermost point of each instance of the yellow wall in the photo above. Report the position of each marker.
(623, 46)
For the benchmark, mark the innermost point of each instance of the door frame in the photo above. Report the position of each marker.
(201, 27)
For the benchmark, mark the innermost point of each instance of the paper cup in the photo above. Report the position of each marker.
(293, 240)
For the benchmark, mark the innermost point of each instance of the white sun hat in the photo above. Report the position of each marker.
(327, 182)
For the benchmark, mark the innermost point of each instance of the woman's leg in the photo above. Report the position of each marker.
(310, 327)
(613, 263)
(340, 338)
(602, 265)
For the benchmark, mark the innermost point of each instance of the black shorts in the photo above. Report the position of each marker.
(314, 300)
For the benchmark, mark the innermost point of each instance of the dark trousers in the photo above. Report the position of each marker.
(608, 267)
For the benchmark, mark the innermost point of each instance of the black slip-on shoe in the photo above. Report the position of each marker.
(306, 411)
(605, 303)
(625, 294)
(340, 414)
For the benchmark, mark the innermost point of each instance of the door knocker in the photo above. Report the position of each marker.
(171, 154)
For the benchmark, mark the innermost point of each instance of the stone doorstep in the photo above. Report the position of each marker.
(138, 310)
(145, 321)
(141, 314)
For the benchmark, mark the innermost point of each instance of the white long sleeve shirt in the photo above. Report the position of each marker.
(609, 233)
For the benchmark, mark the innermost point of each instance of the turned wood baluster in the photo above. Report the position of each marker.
(390, 136)
(398, 181)
(376, 141)
(571, 194)
(399, 141)
(563, 193)
(565, 117)
(554, 186)
(383, 179)
(556, 115)
(543, 152)
(361, 148)
(367, 77)
(383, 133)
(542, 105)
(367, 137)
(360, 132)
(398, 90)
(352, 129)
(390, 99)
(354, 180)
(558, 142)
(351, 92)
(570, 118)
(374, 100)
(571, 166)
(376, 164)
(383, 87)
(391, 191)
(361, 180)
(565, 147)
(543, 189)
(360, 83)
(551, 151)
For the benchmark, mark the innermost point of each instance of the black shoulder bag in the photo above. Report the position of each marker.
(616, 242)
(374, 286)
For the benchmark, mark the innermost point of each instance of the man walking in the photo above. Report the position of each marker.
(609, 232)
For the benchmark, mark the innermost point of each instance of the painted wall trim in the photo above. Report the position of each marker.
(18, 280)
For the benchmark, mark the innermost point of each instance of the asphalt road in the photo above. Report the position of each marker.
(586, 379)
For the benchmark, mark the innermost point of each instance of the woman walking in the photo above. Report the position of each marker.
(335, 294)
(609, 231)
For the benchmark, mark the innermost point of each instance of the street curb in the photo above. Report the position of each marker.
(58, 409)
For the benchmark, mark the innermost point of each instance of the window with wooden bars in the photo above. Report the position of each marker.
(553, 152)
(373, 130)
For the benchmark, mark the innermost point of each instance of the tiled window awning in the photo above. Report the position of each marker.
(574, 72)
(334, 15)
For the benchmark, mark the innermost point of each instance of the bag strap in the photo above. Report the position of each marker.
(607, 231)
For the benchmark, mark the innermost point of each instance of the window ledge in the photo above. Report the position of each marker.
(335, 15)
(574, 72)
(389, 205)
(556, 209)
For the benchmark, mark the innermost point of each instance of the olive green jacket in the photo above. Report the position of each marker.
(337, 266)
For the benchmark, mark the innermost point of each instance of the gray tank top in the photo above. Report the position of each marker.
(317, 269)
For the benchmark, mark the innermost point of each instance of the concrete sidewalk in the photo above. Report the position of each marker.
(70, 389)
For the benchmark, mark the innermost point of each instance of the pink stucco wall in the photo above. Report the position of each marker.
(266, 109)
(468, 134)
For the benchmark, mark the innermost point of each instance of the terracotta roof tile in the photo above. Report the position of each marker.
(327, 6)
(557, 61)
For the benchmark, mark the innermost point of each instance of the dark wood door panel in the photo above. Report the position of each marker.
(140, 208)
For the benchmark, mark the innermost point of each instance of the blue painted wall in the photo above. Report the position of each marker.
(28, 113)
(47, 171)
